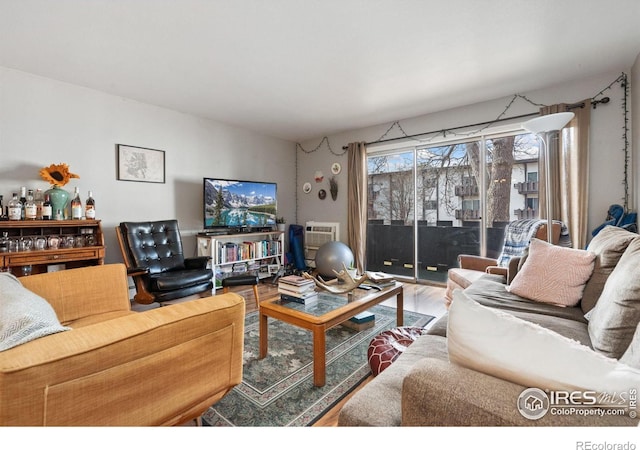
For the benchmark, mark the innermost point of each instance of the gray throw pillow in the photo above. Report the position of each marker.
(608, 246)
(614, 319)
(24, 316)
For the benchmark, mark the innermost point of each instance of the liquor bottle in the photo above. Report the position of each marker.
(23, 199)
(30, 208)
(90, 207)
(2, 216)
(39, 199)
(47, 209)
(15, 208)
(76, 205)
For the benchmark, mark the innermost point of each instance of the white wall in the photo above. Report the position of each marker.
(43, 121)
(634, 123)
(606, 157)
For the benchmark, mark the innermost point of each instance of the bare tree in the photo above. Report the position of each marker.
(401, 193)
(443, 168)
(499, 181)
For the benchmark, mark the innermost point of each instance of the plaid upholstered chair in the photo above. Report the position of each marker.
(517, 235)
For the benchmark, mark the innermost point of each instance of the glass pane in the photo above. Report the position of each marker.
(390, 241)
(525, 173)
(448, 223)
(512, 185)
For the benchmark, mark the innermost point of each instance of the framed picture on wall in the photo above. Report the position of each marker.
(140, 164)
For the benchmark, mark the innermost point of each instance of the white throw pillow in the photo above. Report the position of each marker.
(24, 316)
(499, 344)
(553, 274)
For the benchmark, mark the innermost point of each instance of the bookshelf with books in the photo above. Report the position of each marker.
(233, 254)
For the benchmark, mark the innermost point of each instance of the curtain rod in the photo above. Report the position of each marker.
(594, 103)
(448, 129)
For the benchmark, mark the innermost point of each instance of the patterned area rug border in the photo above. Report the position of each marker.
(278, 390)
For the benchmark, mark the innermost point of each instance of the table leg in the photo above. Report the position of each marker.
(400, 308)
(264, 338)
(319, 356)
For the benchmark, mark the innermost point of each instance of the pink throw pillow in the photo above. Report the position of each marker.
(553, 274)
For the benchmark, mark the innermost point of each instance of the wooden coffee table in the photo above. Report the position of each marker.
(330, 310)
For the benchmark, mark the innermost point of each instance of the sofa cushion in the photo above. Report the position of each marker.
(496, 295)
(631, 356)
(24, 316)
(608, 246)
(499, 344)
(614, 319)
(553, 274)
(379, 402)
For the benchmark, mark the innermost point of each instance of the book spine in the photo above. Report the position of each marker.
(302, 294)
(290, 288)
(292, 298)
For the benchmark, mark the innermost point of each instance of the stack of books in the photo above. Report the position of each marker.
(294, 288)
(379, 280)
(361, 321)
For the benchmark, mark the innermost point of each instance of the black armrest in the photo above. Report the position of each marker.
(196, 262)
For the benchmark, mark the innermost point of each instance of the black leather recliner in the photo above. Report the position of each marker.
(153, 254)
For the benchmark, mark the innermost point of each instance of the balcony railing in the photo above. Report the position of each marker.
(467, 214)
(527, 187)
(526, 213)
(467, 191)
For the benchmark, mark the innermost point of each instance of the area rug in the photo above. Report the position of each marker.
(278, 390)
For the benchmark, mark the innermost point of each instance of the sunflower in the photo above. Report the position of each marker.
(57, 174)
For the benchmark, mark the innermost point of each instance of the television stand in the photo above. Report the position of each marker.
(213, 233)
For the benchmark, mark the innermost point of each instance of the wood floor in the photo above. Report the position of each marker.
(424, 299)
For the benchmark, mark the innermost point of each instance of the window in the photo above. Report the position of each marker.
(532, 203)
(428, 204)
(431, 205)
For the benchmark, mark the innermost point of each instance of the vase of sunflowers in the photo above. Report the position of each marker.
(58, 175)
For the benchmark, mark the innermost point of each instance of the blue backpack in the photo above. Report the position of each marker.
(617, 217)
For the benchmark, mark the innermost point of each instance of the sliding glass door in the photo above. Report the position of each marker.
(428, 204)
(391, 211)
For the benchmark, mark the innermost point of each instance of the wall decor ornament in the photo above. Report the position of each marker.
(336, 168)
(306, 188)
(140, 164)
(318, 176)
(322, 194)
(333, 188)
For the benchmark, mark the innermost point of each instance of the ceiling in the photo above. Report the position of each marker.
(303, 69)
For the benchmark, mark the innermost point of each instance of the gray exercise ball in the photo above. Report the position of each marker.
(330, 256)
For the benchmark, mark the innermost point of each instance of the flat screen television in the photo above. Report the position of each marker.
(239, 203)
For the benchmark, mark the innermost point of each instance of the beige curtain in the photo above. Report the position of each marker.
(357, 205)
(569, 172)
